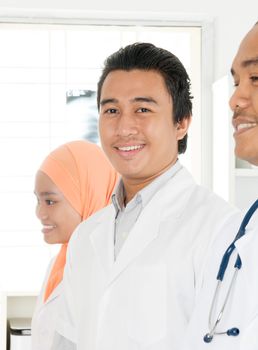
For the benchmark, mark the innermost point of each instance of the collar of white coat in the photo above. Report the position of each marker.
(248, 244)
(145, 195)
(168, 203)
(54, 295)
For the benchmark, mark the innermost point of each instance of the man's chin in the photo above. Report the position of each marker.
(253, 161)
(254, 164)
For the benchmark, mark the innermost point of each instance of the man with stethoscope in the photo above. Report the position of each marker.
(226, 313)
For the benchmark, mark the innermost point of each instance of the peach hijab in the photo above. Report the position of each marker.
(83, 174)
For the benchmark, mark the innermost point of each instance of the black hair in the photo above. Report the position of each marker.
(146, 56)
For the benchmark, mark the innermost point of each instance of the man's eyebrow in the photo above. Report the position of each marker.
(135, 99)
(246, 63)
(250, 62)
(108, 100)
(144, 99)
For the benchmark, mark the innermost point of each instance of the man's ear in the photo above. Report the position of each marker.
(182, 127)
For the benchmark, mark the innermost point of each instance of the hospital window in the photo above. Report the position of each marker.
(48, 76)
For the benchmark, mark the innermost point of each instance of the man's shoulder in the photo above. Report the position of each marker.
(204, 198)
(88, 225)
(212, 204)
(99, 215)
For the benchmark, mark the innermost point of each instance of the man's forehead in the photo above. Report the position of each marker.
(247, 54)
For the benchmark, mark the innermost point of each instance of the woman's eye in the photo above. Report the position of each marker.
(49, 202)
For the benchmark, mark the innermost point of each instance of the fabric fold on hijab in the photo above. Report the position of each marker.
(84, 175)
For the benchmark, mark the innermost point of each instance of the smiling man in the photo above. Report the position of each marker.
(244, 101)
(227, 318)
(134, 268)
(137, 131)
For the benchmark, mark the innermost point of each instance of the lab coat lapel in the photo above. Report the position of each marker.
(139, 238)
(55, 294)
(145, 230)
(102, 239)
(246, 244)
(168, 202)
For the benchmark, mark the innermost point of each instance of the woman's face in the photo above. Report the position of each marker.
(57, 216)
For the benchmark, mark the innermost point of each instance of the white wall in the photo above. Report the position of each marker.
(231, 21)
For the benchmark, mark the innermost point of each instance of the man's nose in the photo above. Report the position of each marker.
(240, 98)
(127, 125)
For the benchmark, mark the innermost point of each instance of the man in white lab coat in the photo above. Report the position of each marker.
(133, 269)
(232, 324)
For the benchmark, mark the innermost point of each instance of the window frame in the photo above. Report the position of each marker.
(111, 18)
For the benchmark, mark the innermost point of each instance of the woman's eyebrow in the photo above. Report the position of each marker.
(46, 193)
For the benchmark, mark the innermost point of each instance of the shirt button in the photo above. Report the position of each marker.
(138, 199)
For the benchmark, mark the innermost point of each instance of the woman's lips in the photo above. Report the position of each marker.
(48, 228)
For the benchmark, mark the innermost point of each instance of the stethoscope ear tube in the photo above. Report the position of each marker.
(233, 332)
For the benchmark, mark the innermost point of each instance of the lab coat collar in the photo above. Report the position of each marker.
(169, 201)
(55, 294)
(139, 238)
(249, 242)
(102, 238)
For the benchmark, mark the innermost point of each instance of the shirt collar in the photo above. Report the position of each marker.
(145, 195)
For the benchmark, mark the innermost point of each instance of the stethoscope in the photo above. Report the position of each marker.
(234, 331)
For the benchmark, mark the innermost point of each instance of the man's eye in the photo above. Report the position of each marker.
(111, 111)
(143, 110)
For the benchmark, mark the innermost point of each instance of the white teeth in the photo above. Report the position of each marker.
(129, 148)
(48, 227)
(245, 126)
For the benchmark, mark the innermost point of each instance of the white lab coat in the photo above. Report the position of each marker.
(142, 300)
(242, 308)
(45, 315)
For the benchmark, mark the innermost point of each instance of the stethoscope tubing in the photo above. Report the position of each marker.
(231, 247)
(221, 272)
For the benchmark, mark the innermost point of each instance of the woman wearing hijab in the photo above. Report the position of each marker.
(73, 182)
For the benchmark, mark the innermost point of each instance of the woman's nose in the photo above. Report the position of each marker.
(41, 213)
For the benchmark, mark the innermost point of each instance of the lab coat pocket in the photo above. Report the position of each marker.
(148, 304)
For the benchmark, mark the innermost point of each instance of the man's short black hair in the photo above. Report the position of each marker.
(146, 56)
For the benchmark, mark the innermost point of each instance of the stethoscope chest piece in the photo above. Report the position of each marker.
(208, 338)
